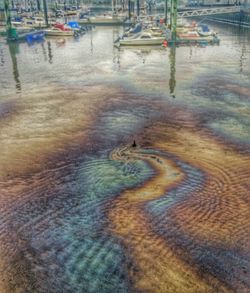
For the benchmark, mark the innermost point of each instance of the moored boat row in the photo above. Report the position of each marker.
(150, 34)
(71, 29)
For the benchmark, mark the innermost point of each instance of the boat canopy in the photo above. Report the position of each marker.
(204, 27)
(73, 24)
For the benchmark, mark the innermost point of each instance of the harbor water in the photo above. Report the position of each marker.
(83, 211)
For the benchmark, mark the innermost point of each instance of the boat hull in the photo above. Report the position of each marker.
(59, 34)
(196, 39)
(35, 36)
(102, 21)
(141, 42)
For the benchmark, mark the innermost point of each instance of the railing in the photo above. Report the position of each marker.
(200, 12)
(209, 11)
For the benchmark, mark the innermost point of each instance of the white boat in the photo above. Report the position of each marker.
(106, 19)
(142, 39)
(34, 21)
(31, 22)
(21, 26)
(204, 31)
(195, 36)
(22, 29)
(103, 20)
(156, 32)
(54, 31)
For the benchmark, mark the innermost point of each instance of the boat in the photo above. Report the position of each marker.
(37, 22)
(113, 18)
(23, 29)
(73, 25)
(58, 33)
(204, 31)
(30, 37)
(20, 25)
(155, 31)
(33, 22)
(59, 30)
(142, 39)
(186, 27)
(130, 32)
(103, 20)
(195, 36)
(35, 36)
(78, 29)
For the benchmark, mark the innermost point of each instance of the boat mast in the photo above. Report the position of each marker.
(138, 7)
(38, 5)
(166, 11)
(112, 1)
(45, 9)
(129, 9)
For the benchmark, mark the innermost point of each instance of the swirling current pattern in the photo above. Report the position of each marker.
(84, 210)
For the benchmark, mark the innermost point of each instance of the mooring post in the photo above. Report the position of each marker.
(172, 61)
(129, 9)
(166, 11)
(45, 9)
(173, 19)
(11, 32)
(38, 5)
(138, 7)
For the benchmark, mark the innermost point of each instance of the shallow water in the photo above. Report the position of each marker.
(80, 214)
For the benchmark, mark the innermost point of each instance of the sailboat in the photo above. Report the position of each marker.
(59, 30)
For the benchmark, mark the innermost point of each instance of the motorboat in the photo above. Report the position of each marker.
(103, 20)
(142, 39)
(155, 31)
(204, 31)
(130, 32)
(186, 27)
(195, 36)
(133, 30)
(191, 35)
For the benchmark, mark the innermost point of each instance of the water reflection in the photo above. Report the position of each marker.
(143, 54)
(91, 43)
(77, 219)
(50, 55)
(14, 49)
(116, 52)
(172, 61)
(1, 57)
(242, 57)
(44, 52)
(116, 57)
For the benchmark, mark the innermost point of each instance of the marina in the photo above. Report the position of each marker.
(124, 153)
